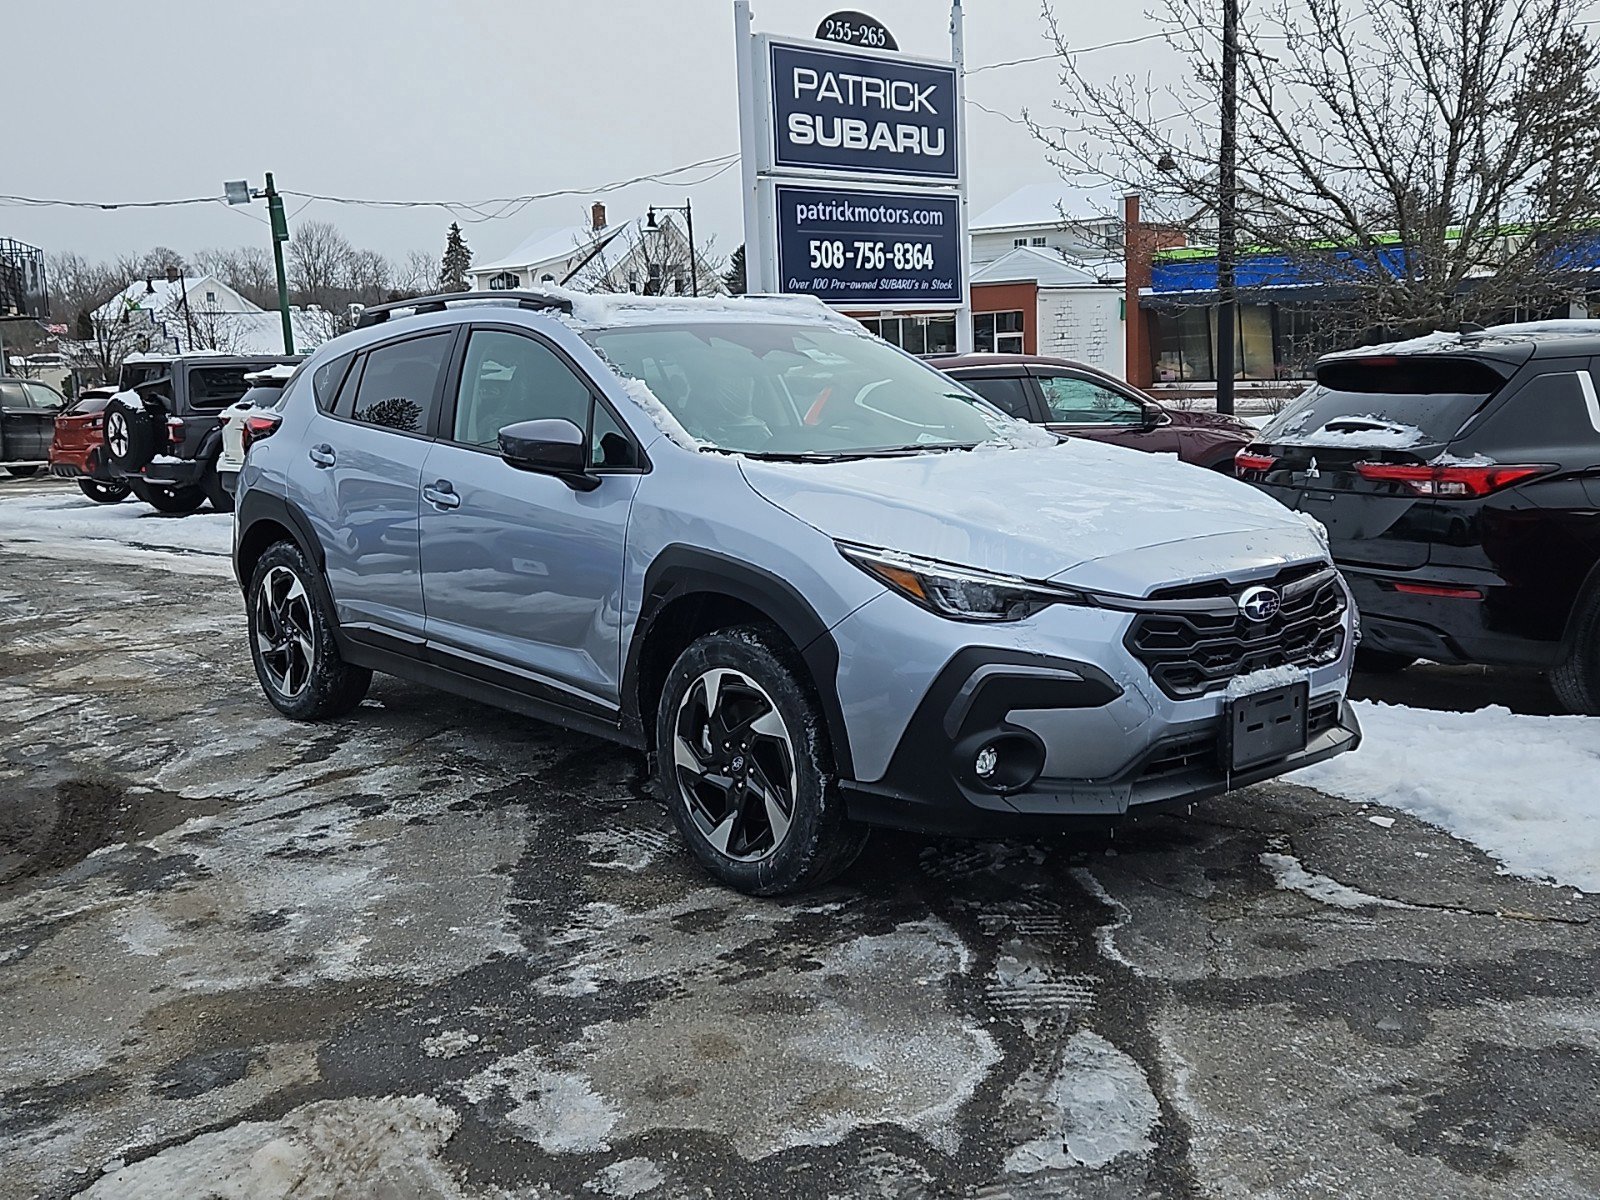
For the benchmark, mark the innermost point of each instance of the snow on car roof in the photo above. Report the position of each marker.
(276, 373)
(602, 311)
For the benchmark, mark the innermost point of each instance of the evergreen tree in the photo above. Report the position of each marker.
(734, 275)
(457, 260)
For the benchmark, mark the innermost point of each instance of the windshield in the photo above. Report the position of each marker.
(798, 391)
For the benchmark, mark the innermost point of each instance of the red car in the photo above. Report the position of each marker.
(78, 450)
(1069, 397)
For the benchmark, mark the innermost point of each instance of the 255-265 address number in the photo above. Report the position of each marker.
(871, 256)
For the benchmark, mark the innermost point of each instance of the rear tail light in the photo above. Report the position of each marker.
(257, 428)
(1444, 590)
(97, 422)
(175, 430)
(1247, 460)
(1449, 483)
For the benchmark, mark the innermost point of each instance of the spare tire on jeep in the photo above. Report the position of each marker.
(133, 434)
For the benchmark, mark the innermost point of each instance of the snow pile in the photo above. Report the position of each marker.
(67, 525)
(1524, 789)
(322, 1151)
(1290, 874)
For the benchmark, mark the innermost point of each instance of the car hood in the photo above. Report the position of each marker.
(1211, 420)
(1038, 513)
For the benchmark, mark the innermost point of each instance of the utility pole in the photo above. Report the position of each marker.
(958, 56)
(280, 235)
(1227, 199)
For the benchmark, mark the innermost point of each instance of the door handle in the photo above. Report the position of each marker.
(322, 455)
(441, 494)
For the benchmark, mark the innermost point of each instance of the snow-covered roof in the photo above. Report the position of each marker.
(1035, 264)
(160, 294)
(1047, 204)
(552, 243)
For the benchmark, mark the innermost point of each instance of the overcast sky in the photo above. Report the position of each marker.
(425, 100)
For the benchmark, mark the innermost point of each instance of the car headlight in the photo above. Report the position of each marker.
(960, 593)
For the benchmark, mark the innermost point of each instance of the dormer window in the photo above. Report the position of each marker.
(505, 281)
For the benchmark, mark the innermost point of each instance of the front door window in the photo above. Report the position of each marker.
(1072, 401)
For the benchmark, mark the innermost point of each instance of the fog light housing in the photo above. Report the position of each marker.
(999, 762)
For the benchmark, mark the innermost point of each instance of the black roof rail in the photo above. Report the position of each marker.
(376, 314)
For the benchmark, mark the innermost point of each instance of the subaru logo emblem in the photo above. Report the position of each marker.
(1259, 604)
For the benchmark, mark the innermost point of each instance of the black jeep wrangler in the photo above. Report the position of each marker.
(164, 425)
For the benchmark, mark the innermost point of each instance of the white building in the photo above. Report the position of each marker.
(634, 256)
(178, 313)
(1080, 224)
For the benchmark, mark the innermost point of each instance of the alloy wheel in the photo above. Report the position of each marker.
(117, 434)
(284, 631)
(735, 764)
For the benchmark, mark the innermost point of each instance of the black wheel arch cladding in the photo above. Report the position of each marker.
(681, 571)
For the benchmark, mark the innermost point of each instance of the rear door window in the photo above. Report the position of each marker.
(1009, 395)
(12, 396)
(1381, 403)
(399, 385)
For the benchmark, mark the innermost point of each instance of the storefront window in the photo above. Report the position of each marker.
(930, 333)
(1000, 332)
(1183, 345)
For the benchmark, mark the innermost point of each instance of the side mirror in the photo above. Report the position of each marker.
(1154, 418)
(549, 447)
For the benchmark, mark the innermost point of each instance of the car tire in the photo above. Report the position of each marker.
(291, 640)
(1576, 678)
(23, 472)
(1382, 662)
(132, 436)
(221, 499)
(174, 501)
(762, 811)
(104, 491)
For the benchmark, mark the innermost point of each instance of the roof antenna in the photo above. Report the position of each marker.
(1469, 329)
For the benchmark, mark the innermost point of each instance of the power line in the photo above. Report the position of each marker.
(480, 210)
(1066, 50)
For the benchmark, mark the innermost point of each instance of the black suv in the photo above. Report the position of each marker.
(164, 427)
(1458, 476)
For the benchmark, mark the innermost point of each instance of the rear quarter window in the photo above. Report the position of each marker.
(325, 380)
(212, 388)
(1556, 410)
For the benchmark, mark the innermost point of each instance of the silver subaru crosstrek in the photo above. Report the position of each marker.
(820, 584)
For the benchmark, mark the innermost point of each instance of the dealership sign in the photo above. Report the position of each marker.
(873, 249)
(863, 113)
(852, 162)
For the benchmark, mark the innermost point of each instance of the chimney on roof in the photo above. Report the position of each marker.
(172, 273)
(597, 216)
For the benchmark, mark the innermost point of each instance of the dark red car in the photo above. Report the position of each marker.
(78, 450)
(1069, 397)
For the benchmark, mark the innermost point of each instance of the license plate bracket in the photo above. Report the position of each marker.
(1264, 726)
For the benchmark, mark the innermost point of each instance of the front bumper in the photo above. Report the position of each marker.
(1096, 738)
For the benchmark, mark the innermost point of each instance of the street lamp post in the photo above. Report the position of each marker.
(687, 209)
(240, 192)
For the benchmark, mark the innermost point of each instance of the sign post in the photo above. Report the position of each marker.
(853, 160)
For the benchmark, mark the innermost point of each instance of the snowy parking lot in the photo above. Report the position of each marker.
(435, 950)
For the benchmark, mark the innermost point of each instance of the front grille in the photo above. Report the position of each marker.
(1189, 653)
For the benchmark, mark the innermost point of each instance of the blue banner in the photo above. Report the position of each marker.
(875, 249)
(837, 110)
